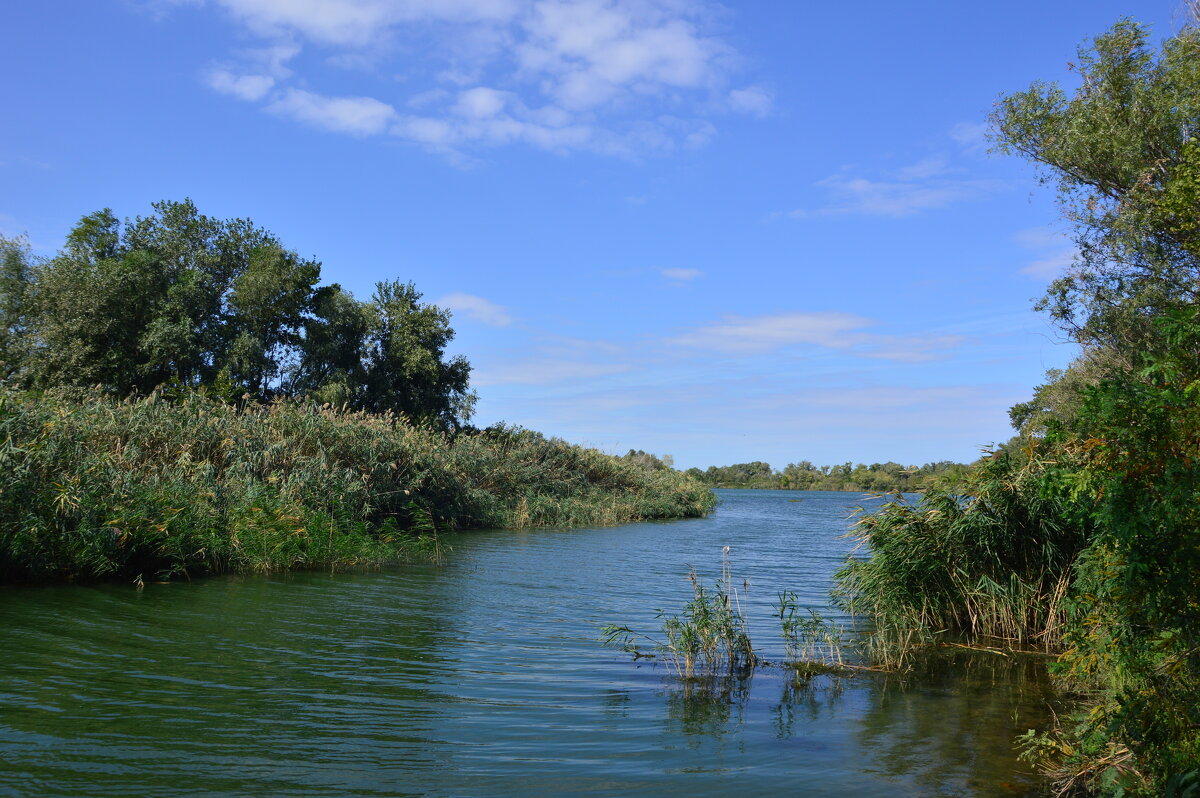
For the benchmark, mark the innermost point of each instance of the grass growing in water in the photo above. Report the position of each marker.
(811, 643)
(991, 567)
(709, 638)
(95, 487)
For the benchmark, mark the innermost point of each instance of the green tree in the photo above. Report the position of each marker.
(1123, 153)
(15, 269)
(406, 367)
(1119, 429)
(180, 298)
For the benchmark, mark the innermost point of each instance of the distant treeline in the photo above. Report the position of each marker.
(874, 478)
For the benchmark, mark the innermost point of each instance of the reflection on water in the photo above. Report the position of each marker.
(936, 727)
(485, 677)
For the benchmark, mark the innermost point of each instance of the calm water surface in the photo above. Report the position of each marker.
(484, 676)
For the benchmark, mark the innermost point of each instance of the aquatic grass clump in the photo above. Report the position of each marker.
(991, 566)
(811, 642)
(709, 637)
(160, 487)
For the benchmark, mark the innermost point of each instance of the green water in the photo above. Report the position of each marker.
(483, 676)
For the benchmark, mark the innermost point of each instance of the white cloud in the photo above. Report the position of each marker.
(681, 275)
(752, 100)
(930, 183)
(244, 87)
(589, 50)
(478, 308)
(766, 333)
(920, 187)
(359, 116)
(358, 22)
(829, 330)
(481, 103)
(612, 76)
(924, 169)
(1051, 266)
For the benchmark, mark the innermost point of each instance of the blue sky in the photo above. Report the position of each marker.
(753, 231)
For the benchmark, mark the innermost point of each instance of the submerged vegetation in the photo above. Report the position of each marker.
(1082, 536)
(189, 485)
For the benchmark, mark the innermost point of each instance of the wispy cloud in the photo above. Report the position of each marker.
(915, 189)
(358, 116)
(971, 136)
(545, 372)
(751, 100)
(928, 184)
(611, 76)
(1054, 254)
(829, 330)
(244, 87)
(681, 275)
(482, 310)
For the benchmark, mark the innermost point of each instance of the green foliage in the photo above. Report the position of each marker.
(875, 478)
(989, 564)
(1121, 428)
(184, 299)
(709, 638)
(1136, 632)
(1123, 153)
(15, 267)
(101, 487)
(650, 461)
(808, 637)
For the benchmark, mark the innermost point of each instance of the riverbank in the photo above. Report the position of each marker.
(153, 488)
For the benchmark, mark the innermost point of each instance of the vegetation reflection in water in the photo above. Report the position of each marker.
(483, 677)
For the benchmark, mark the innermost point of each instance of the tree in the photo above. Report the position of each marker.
(14, 288)
(182, 298)
(1124, 154)
(1119, 432)
(406, 369)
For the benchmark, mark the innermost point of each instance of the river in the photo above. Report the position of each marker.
(484, 676)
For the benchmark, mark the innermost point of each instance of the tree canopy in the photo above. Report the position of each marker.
(1124, 154)
(180, 298)
(1115, 439)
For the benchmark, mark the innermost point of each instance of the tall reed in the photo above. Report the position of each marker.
(93, 487)
(993, 565)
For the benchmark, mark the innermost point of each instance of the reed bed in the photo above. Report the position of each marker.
(149, 488)
(990, 568)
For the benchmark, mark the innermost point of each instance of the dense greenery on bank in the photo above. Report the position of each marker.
(1082, 536)
(180, 395)
(166, 485)
(874, 478)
